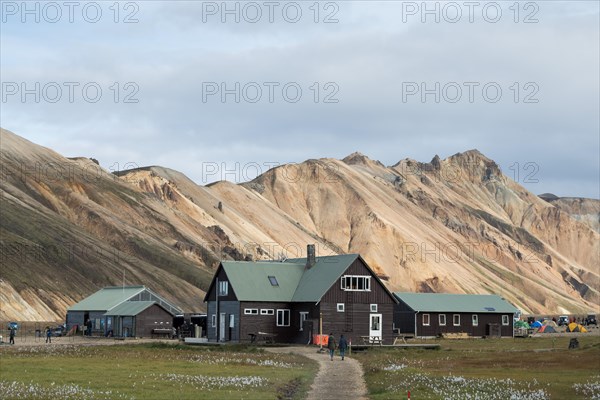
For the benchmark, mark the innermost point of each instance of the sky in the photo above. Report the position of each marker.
(225, 90)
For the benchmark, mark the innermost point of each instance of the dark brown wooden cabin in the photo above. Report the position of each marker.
(286, 301)
(436, 314)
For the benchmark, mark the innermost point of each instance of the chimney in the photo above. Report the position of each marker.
(310, 256)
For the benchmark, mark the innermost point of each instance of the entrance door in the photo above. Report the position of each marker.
(375, 327)
(222, 326)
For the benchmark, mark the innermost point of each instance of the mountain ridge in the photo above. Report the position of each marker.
(455, 224)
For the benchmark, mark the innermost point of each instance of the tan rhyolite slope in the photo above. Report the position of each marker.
(453, 225)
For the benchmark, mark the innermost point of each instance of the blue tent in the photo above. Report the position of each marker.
(536, 324)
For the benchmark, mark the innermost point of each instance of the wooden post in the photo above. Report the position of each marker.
(321, 331)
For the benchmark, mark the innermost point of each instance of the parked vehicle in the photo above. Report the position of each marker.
(60, 330)
(591, 320)
(563, 320)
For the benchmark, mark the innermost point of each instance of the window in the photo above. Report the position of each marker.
(250, 311)
(373, 307)
(341, 307)
(475, 318)
(426, 320)
(283, 317)
(231, 321)
(303, 317)
(456, 320)
(505, 320)
(223, 288)
(356, 283)
(213, 320)
(442, 319)
(267, 311)
(273, 280)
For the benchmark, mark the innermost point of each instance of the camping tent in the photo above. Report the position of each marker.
(536, 324)
(551, 323)
(575, 327)
(547, 329)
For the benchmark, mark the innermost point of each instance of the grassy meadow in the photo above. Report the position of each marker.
(152, 371)
(487, 369)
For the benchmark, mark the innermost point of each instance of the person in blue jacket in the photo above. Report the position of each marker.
(342, 345)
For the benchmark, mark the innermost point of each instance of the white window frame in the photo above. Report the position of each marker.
(231, 320)
(223, 288)
(341, 307)
(505, 318)
(267, 311)
(475, 319)
(366, 283)
(213, 320)
(373, 307)
(440, 318)
(250, 311)
(426, 320)
(454, 316)
(280, 321)
(303, 317)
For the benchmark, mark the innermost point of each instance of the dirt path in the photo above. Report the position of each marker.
(336, 379)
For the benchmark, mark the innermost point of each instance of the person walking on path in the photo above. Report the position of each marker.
(48, 335)
(331, 345)
(342, 345)
(11, 335)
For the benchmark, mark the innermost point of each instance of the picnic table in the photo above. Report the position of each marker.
(403, 337)
(166, 332)
(372, 340)
(264, 336)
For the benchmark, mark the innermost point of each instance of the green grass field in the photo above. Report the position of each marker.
(152, 371)
(486, 369)
(532, 368)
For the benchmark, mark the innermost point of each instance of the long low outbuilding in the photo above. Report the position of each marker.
(439, 314)
(125, 311)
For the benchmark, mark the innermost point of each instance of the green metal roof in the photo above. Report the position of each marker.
(107, 298)
(130, 308)
(317, 280)
(250, 280)
(444, 302)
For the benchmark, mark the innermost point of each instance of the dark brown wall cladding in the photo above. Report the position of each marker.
(466, 325)
(377, 294)
(151, 318)
(355, 321)
(222, 276)
(256, 323)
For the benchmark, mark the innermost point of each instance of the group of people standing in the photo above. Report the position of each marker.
(13, 332)
(342, 345)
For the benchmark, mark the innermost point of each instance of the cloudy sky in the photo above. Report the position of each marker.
(210, 86)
